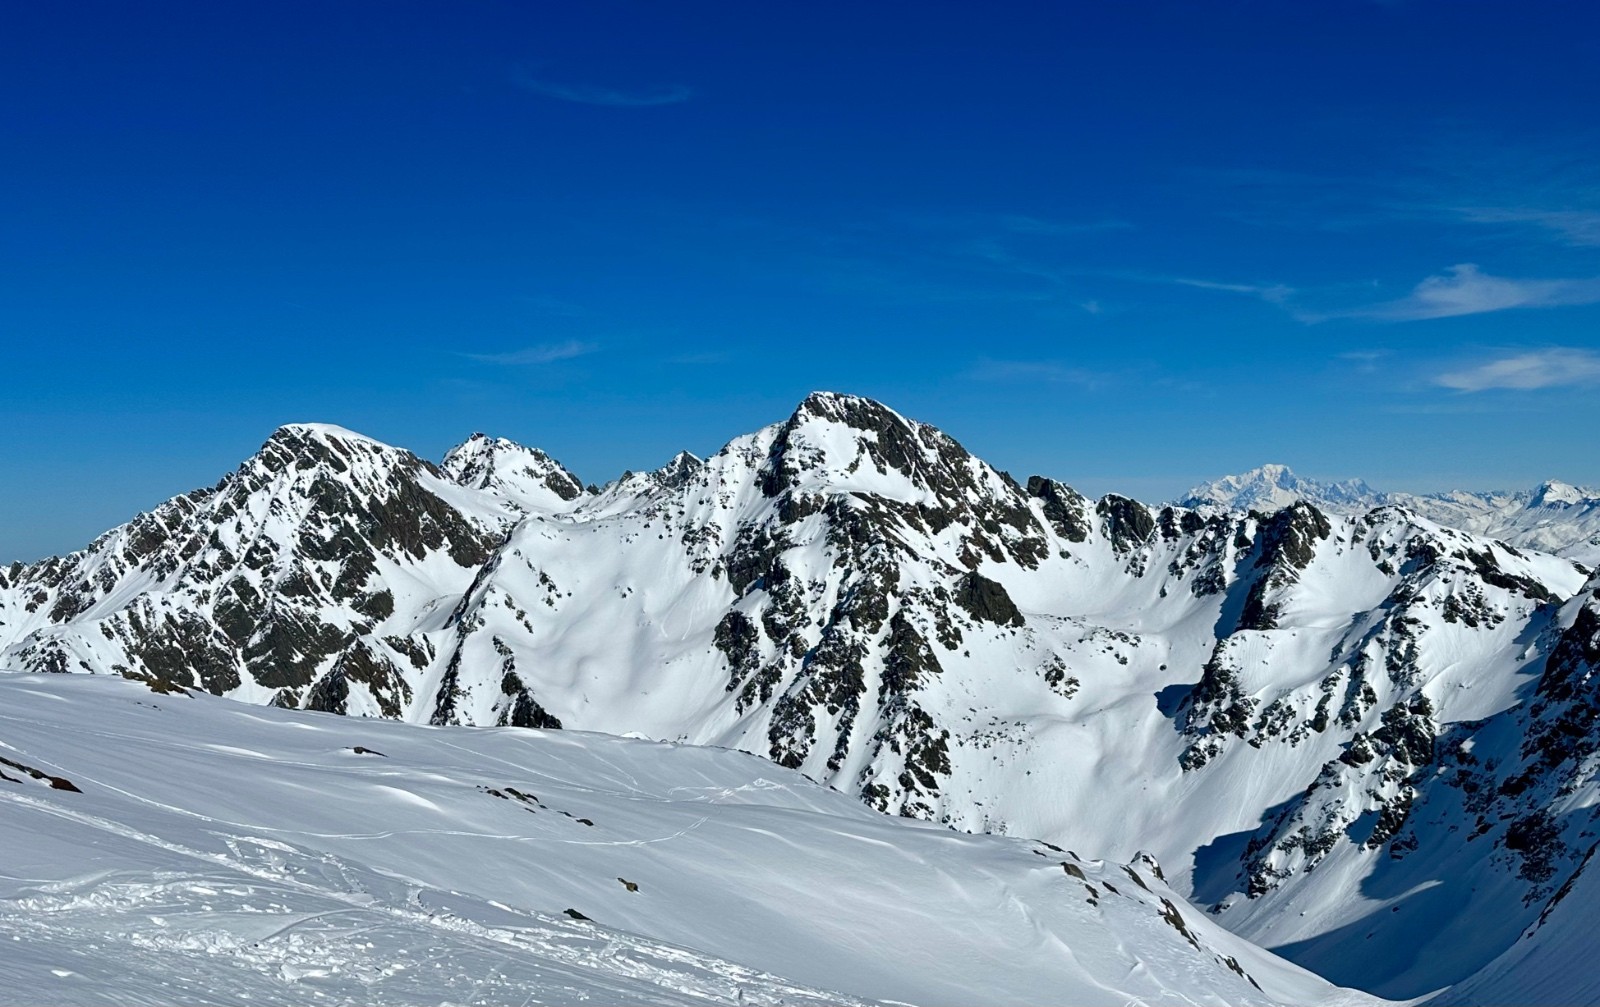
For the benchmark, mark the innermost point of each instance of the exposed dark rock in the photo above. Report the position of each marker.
(1128, 523)
(908, 662)
(1217, 705)
(184, 650)
(54, 782)
(737, 637)
(986, 600)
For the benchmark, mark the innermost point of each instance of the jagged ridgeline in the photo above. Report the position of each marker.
(1289, 708)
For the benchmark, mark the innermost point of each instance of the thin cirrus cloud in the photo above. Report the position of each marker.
(611, 97)
(1467, 290)
(1574, 227)
(547, 353)
(1044, 371)
(1272, 293)
(1525, 371)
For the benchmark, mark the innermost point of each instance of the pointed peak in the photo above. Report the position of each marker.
(679, 470)
(482, 445)
(836, 444)
(1555, 493)
(527, 475)
(853, 411)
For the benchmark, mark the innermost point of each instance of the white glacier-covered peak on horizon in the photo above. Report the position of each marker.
(1555, 493)
(1273, 487)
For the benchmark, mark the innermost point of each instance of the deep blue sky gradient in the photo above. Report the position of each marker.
(1128, 245)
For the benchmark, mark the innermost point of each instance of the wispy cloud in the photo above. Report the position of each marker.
(593, 94)
(1573, 227)
(1363, 361)
(1272, 293)
(1460, 290)
(1448, 177)
(1527, 370)
(1023, 224)
(1045, 371)
(547, 353)
(1466, 290)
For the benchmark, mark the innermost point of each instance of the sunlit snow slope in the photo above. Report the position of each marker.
(168, 848)
(1362, 739)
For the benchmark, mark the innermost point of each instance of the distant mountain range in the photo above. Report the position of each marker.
(1553, 517)
(1356, 727)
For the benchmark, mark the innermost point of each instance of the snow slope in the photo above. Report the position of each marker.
(165, 847)
(1285, 708)
(1549, 965)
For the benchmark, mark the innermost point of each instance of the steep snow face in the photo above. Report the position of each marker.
(1272, 703)
(1551, 964)
(1554, 517)
(173, 847)
(1535, 767)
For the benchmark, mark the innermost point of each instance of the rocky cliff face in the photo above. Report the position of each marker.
(1303, 713)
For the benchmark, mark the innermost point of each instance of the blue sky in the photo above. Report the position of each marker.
(1129, 245)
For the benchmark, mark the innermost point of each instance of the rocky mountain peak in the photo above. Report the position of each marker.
(302, 447)
(836, 443)
(677, 472)
(531, 479)
(853, 410)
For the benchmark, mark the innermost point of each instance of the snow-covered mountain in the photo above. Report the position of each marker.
(1273, 487)
(1326, 726)
(182, 849)
(1554, 517)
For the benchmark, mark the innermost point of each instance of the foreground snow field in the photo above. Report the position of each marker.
(174, 847)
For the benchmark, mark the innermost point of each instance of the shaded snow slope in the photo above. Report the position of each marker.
(1282, 707)
(168, 847)
(1550, 965)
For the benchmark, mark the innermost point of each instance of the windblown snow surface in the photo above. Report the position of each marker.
(165, 848)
